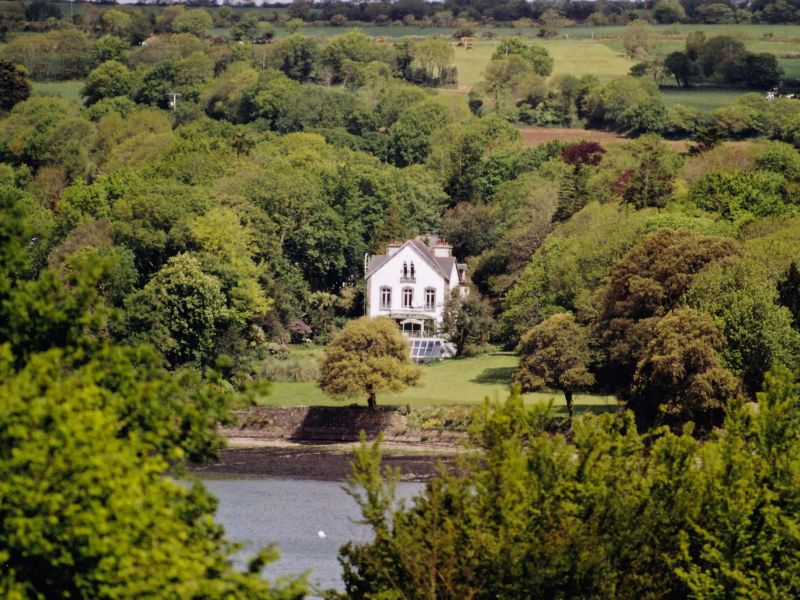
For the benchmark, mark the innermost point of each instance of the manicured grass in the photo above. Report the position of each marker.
(450, 382)
(71, 90)
(702, 99)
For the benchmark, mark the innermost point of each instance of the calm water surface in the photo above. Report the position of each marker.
(290, 513)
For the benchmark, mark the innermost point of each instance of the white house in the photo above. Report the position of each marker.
(410, 284)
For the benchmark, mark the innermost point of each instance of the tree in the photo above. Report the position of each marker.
(352, 50)
(625, 515)
(367, 356)
(14, 85)
(110, 79)
(90, 505)
(650, 183)
(789, 293)
(669, 11)
(42, 10)
(196, 21)
(759, 71)
(539, 58)
(226, 250)
(644, 286)
(108, 47)
(297, 56)
(639, 39)
(409, 137)
(471, 228)
(757, 329)
(555, 354)
(180, 311)
(245, 29)
(716, 54)
(681, 372)
(434, 57)
(467, 319)
(68, 308)
(626, 104)
(680, 67)
(734, 193)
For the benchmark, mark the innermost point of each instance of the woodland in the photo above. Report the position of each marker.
(205, 201)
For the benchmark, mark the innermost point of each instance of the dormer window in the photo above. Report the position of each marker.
(408, 272)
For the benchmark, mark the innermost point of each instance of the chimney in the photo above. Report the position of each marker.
(442, 249)
(392, 248)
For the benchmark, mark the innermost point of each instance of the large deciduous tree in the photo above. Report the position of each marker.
(539, 58)
(367, 357)
(644, 286)
(556, 355)
(179, 311)
(108, 80)
(681, 372)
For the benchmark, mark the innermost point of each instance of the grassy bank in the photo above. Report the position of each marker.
(452, 382)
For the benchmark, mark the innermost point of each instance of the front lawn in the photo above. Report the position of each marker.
(450, 382)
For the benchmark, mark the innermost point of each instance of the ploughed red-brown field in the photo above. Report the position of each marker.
(533, 136)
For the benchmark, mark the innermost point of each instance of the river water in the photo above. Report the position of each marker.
(291, 513)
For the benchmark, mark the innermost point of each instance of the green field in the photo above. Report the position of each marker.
(71, 90)
(575, 57)
(461, 381)
(604, 57)
(703, 99)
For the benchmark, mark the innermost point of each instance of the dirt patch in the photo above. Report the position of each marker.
(533, 136)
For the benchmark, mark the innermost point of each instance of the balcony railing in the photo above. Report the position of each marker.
(407, 279)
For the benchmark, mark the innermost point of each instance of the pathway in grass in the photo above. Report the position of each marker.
(463, 381)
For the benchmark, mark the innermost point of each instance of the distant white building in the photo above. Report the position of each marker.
(410, 284)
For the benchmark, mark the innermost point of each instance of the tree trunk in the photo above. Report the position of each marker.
(568, 398)
(371, 402)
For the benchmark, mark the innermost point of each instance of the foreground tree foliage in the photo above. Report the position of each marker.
(87, 509)
(610, 514)
(367, 357)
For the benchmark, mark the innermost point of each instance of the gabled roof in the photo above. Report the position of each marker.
(442, 264)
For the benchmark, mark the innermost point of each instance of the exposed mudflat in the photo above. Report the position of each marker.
(319, 442)
(323, 463)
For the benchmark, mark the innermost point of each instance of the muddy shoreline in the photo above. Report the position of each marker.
(319, 442)
(320, 462)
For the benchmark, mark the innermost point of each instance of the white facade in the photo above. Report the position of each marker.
(411, 283)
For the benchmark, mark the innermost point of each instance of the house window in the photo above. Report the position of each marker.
(430, 298)
(408, 297)
(386, 297)
(405, 269)
(412, 269)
